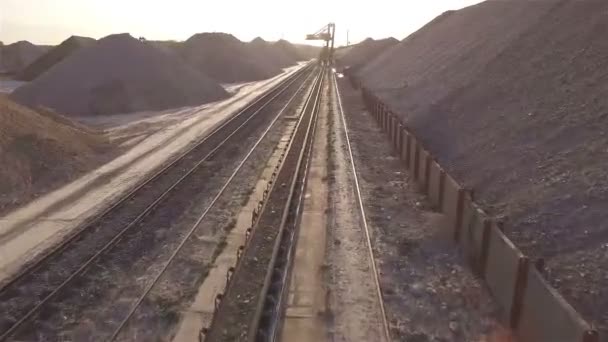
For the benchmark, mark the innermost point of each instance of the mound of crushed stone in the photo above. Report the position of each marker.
(290, 49)
(53, 56)
(271, 52)
(298, 52)
(119, 74)
(171, 47)
(511, 97)
(357, 55)
(226, 59)
(40, 150)
(307, 52)
(14, 57)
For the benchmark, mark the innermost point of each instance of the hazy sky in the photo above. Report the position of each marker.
(51, 21)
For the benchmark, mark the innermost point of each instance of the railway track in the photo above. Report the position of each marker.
(71, 272)
(252, 306)
(372, 258)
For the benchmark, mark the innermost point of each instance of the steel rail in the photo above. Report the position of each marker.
(270, 96)
(202, 217)
(273, 293)
(293, 147)
(88, 223)
(372, 258)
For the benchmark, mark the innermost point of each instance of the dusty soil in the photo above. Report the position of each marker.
(430, 294)
(510, 97)
(14, 57)
(53, 56)
(40, 150)
(119, 74)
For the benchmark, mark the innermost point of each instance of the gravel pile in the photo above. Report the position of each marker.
(452, 49)
(14, 57)
(226, 59)
(41, 149)
(119, 74)
(305, 51)
(271, 52)
(290, 49)
(168, 46)
(510, 96)
(357, 55)
(53, 56)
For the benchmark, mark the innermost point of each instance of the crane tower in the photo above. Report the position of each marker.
(326, 33)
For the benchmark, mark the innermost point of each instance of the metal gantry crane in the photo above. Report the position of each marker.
(326, 33)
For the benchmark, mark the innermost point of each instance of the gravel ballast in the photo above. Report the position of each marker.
(429, 292)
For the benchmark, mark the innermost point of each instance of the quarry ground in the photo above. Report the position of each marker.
(150, 140)
(429, 292)
(508, 96)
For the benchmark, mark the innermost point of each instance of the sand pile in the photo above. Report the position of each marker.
(271, 52)
(511, 97)
(357, 55)
(39, 150)
(119, 74)
(54, 56)
(14, 57)
(226, 59)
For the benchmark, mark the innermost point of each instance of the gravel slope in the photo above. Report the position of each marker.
(357, 55)
(14, 57)
(510, 97)
(53, 56)
(40, 150)
(271, 52)
(226, 59)
(119, 74)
